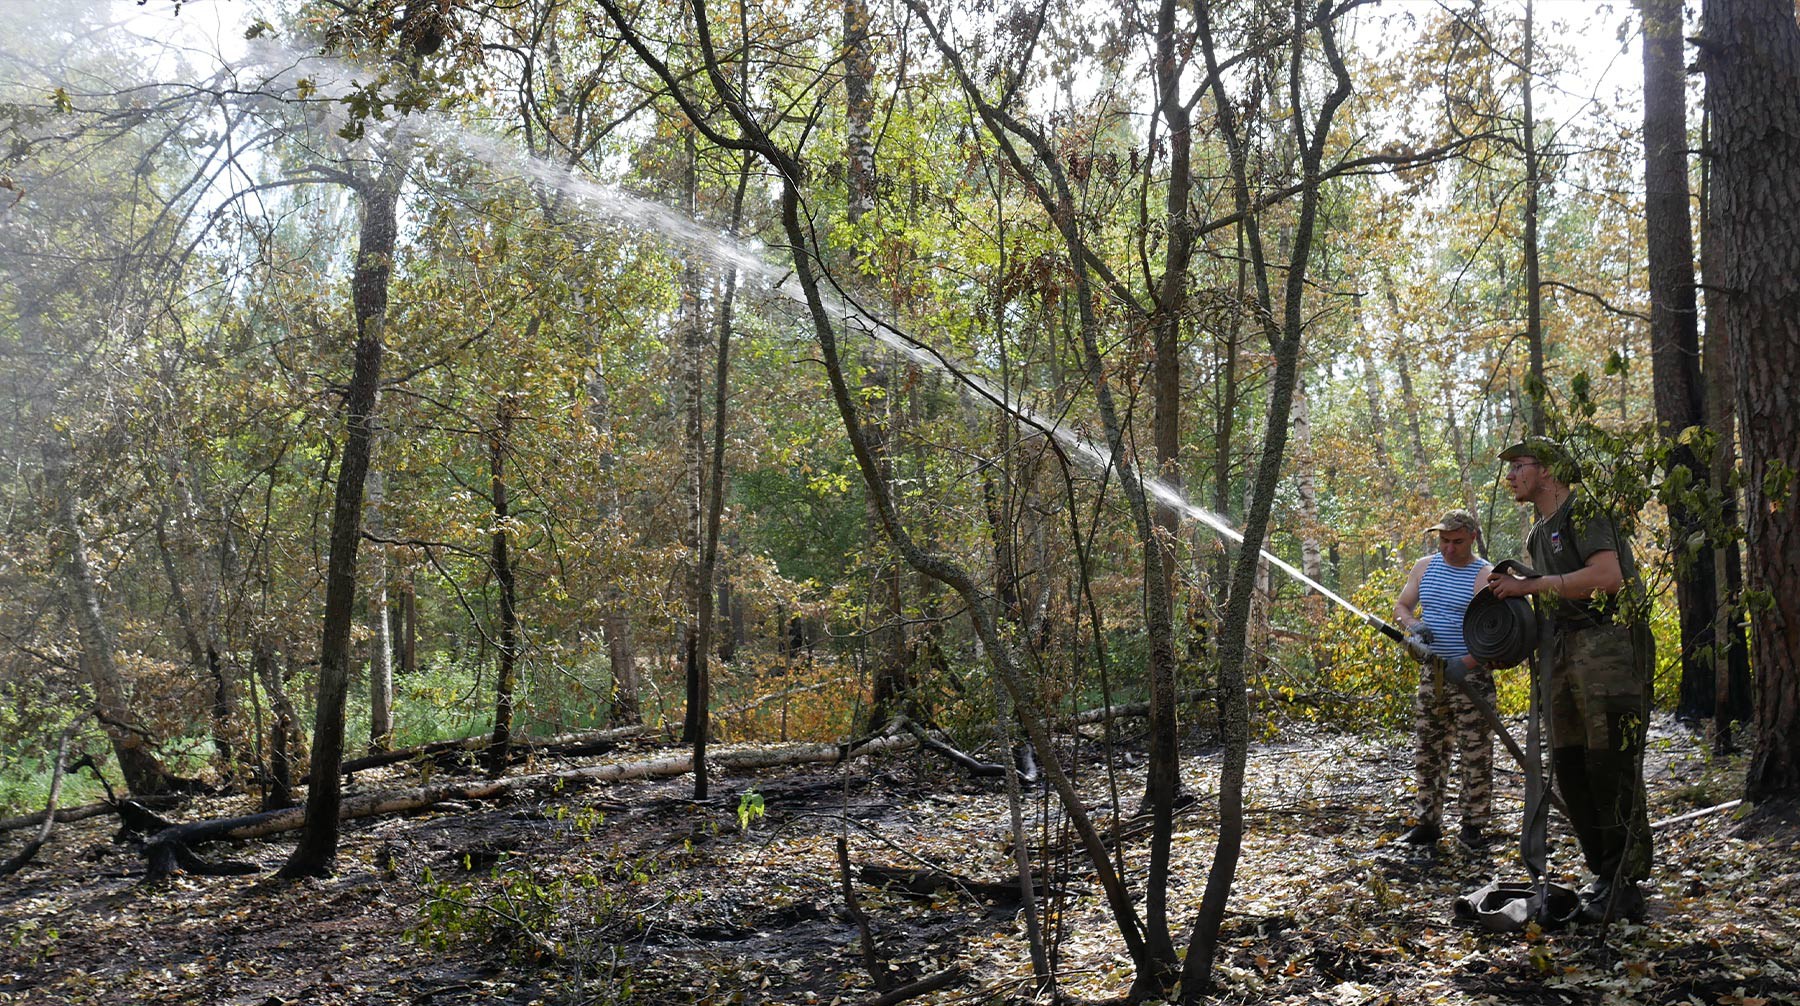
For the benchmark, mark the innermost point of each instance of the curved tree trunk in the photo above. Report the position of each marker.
(1310, 138)
(143, 771)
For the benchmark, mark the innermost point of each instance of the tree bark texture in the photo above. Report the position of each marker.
(1534, 296)
(316, 851)
(1675, 342)
(1172, 289)
(143, 771)
(500, 557)
(1751, 56)
(381, 634)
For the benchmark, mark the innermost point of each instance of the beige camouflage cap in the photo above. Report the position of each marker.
(1457, 520)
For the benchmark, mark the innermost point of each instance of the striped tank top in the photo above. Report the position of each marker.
(1444, 592)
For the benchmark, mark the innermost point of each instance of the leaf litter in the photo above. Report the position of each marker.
(634, 893)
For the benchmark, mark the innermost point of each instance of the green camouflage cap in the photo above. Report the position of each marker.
(1549, 453)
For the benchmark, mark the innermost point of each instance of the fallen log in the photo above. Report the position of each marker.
(171, 850)
(928, 883)
(584, 742)
(1101, 714)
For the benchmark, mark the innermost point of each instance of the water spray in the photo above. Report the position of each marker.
(331, 77)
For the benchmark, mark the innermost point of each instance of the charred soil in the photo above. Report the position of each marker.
(633, 893)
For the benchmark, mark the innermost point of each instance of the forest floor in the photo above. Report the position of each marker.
(635, 893)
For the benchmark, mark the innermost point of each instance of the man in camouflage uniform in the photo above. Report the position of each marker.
(1430, 607)
(1597, 653)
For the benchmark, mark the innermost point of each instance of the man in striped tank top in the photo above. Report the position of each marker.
(1442, 585)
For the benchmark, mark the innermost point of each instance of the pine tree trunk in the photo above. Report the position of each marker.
(1675, 341)
(1751, 56)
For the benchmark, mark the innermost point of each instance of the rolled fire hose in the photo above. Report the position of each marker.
(1501, 633)
(1504, 629)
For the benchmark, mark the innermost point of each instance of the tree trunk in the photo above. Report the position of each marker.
(1225, 423)
(1312, 561)
(1675, 344)
(859, 112)
(143, 771)
(691, 341)
(1196, 971)
(316, 852)
(715, 500)
(381, 636)
(285, 741)
(1731, 687)
(1535, 388)
(1751, 57)
(506, 681)
(409, 628)
(1171, 292)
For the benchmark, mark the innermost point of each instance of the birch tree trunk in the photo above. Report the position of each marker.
(143, 771)
(381, 636)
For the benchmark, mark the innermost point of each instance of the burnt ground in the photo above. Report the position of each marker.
(635, 893)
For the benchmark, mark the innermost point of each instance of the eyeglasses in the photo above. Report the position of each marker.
(1516, 465)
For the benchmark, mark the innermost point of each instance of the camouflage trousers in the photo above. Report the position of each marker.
(1444, 720)
(1599, 698)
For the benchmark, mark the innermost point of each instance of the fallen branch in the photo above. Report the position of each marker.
(878, 971)
(30, 851)
(65, 815)
(1692, 814)
(941, 980)
(170, 850)
(962, 759)
(586, 742)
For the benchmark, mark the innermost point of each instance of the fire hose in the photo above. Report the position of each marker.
(1499, 633)
(1503, 633)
